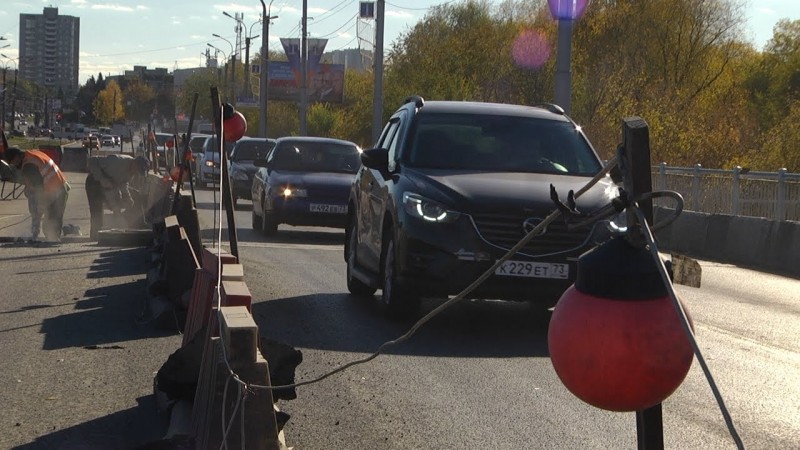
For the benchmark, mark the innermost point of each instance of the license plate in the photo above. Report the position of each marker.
(331, 209)
(533, 269)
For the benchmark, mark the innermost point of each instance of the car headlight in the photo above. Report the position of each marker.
(618, 224)
(289, 191)
(427, 210)
(210, 163)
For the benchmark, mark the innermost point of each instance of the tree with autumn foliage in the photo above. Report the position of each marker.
(108, 105)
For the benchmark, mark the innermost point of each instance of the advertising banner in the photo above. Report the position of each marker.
(326, 83)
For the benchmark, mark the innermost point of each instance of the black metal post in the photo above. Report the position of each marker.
(184, 159)
(227, 196)
(4, 100)
(638, 180)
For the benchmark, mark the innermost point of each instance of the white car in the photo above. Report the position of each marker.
(107, 141)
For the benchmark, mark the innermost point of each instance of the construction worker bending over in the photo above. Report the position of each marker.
(45, 187)
(108, 185)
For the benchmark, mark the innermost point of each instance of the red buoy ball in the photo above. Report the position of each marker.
(618, 355)
(234, 127)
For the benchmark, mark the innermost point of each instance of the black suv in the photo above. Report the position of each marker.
(452, 186)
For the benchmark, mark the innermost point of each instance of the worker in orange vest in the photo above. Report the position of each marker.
(45, 187)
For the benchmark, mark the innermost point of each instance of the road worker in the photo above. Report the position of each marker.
(46, 189)
(108, 185)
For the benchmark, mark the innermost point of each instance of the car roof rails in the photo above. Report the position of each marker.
(552, 107)
(416, 99)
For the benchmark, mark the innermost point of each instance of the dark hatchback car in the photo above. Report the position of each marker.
(452, 186)
(241, 167)
(304, 181)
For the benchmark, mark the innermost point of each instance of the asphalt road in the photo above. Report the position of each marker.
(479, 375)
(78, 365)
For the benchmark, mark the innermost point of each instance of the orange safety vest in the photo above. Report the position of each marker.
(52, 178)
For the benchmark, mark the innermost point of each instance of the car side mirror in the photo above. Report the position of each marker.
(376, 158)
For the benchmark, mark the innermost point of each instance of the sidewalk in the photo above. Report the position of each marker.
(78, 361)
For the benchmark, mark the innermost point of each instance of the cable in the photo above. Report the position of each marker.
(651, 246)
(331, 12)
(337, 30)
(418, 9)
(662, 271)
(345, 45)
(534, 232)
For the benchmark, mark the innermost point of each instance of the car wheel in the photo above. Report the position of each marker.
(256, 221)
(354, 285)
(395, 298)
(269, 225)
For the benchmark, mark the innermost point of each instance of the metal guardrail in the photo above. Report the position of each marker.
(738, 192)
(10, 190)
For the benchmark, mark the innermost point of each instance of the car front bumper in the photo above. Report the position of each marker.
(443, 259)
(308, 212)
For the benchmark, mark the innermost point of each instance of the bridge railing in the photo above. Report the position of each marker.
(738, 192)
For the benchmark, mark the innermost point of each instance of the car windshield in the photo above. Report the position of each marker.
(493, 143)
(251, 150)
(162, 138)
(211, 145)
(316, 157)
(196, 143)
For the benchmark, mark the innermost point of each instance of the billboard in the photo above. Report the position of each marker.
(325, 83)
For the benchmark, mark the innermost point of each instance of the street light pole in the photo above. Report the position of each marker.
(566, 12)
(563, 65)
(266, 17)
(225, 82)
(377, 96)
(247, 64)
(304, 72)
(231, 100)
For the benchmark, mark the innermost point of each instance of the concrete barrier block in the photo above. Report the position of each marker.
(783, 247)
(746, 239)
(241, 335)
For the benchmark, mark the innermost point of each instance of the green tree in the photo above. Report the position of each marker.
(139, 100)
(322, 120)
(201, 83)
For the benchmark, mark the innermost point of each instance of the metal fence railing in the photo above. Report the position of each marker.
(738, 192)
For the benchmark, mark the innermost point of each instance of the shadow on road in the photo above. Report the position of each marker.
(340, 322)
(122, 430)
(105, 314)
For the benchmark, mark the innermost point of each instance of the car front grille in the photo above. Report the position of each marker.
(503, 230)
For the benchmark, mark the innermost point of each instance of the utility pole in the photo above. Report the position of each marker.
(5, 88)
(264, 90)
(377, 98)
(247, 66)
(304, 73)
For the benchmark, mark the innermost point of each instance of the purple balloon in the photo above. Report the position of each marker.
(530, 49)
(567, 9)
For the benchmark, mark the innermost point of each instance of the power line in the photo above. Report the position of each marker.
(331, 12)
(343, 25)
(419, 9)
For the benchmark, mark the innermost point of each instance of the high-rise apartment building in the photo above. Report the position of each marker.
(48, 50)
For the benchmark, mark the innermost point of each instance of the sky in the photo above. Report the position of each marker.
(118, 34)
